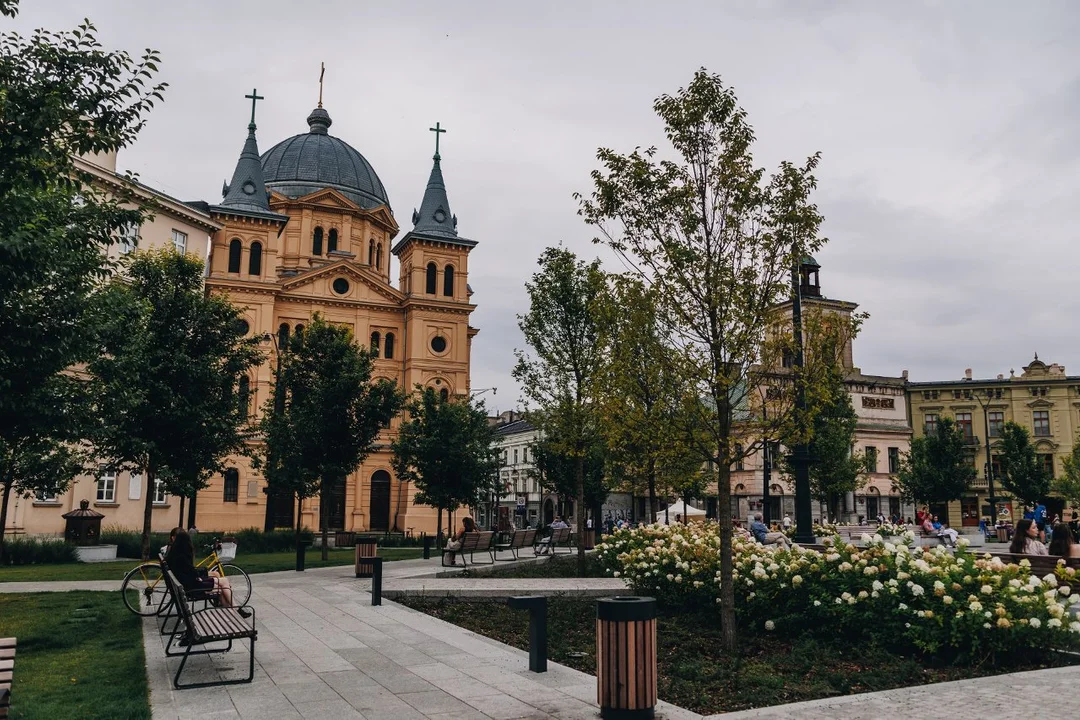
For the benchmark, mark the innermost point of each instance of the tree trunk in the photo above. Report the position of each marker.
(298, 524)
(3, 517)
(652, 490)
(580, 472)
(148, 510)
(438, 528)
(180, 522)
(324, 521)
(191, 510)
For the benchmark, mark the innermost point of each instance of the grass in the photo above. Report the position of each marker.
(558, 566)
(252, 564)
(695, 673)
(79, 654)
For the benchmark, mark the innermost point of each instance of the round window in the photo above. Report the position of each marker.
(248, 188)
(438, 344)
(242, 326)
(440, 216)
(341, 286)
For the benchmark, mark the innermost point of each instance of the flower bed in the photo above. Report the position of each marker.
(888, 529)
(952, 606)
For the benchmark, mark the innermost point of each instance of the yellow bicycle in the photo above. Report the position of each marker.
(145, 593)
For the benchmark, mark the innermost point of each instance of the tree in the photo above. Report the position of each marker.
(324, 416)
(716, 241)
(560, 373)
(1068, 485)
(61, 95)
(938, 468)
(165, 380)
(555, 470)
(1021, 472)
(446, 448)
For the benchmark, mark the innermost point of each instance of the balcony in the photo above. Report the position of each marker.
(980, 483)
(971, 440)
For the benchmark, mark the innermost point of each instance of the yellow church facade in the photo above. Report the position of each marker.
(307, 228)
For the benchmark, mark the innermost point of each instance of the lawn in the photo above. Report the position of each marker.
(79, 655)
(558, 566)
(251, 563)
(696, 674)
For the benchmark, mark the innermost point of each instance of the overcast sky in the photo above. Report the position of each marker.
(948, 130)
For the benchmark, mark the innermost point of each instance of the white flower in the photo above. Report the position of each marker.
(770, 625)
(917, 590)
(616, 573)
(1036, 623)
(1053, 623)
(817, 603)
(947, 600)
(986, 589)
(796, 580)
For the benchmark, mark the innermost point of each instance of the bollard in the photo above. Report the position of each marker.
(366, 549)
(626, 657)
(301, 548)
(427, 546)
(537, 607)
(376, 580)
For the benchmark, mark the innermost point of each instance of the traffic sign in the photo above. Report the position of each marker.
(521, 501)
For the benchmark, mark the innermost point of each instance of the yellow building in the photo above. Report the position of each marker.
(307, 228)
(1042, 398)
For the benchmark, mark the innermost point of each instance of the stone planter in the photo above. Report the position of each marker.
(95, 553)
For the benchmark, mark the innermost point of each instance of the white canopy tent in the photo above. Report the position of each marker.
(691, 513)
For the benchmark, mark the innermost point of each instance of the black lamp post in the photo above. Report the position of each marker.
(985, 405)
(800, 454)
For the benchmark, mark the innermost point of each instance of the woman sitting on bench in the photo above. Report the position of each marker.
(181, 560)
(1026, 539)
(454, 544)
(1062, 542)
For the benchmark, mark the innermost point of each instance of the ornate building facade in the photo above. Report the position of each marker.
(307, 228)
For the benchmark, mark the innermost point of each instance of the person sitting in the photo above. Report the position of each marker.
(1063, 542)
(761, 533)
(933, 528)
(180, 559)
(468, 525)
(1026, 539)
(545, 543)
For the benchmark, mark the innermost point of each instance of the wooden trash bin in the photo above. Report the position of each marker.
(366, 548)
(626, 657)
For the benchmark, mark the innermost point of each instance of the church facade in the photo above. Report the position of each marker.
(307, 228)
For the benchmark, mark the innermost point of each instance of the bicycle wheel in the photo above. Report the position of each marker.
(240, 582)
(144, 590)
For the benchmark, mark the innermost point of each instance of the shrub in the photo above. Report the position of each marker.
(129, 542)
(37, 551)
(950, 606)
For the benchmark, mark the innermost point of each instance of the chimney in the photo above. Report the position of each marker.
(904, 375)
(967, 374)
(1000, 376)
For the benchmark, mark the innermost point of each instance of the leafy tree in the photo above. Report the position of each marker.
(446, 448)
(1021, 472)
(938, 468)
(1068, 484)
(165, 380)
(556, 471)
(324, 417)
(61, 95)
(560, 374)
(716, 242)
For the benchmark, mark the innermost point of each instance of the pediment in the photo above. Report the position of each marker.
(329, 197)
(365, 285)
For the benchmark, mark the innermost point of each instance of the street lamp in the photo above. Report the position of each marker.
(985, 405)
(481, 391)
(800, 453)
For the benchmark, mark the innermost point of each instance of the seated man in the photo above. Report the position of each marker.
(545, 543)
(933, 527)
(762, 535)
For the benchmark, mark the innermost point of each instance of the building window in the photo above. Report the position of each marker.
(243, 395)
(160, 496)
(894, 460)
(129, 238)
(997, 423)
(930, 424)
(432, 279)
(106, 487)
(331, 241)
(739, 464)
(232, 485)
(448, 281)
(255, 259)
(788, 359)
(995, 466)
(515, 457)
(525, 455)
(371, 252)
(179, 241)
(375, 340)
(871, 458)
(46, 496)
(282, 337)
(316, 242)
(963, 421)
(1042, 423)
(388, 346)
(506, 454)
(234, 255)
(1047, 461)
(444, 395)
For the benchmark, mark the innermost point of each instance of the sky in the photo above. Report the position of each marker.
(948, 133)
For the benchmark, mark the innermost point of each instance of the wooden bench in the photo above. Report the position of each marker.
(212, 624)
(932, 536)
(472, 543)
(519, 539)
(7, 668)
(560, 537)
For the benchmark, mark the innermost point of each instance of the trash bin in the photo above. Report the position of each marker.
(1003, 534)
(366, 548)
(626, 657)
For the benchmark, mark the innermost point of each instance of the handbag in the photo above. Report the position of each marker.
(453, 545)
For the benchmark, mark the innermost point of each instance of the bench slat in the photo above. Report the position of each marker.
(7, 642)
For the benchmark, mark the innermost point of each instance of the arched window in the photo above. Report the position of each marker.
(444, 394)
(255, 259)
(299, 331)
(331, 242)
(234, 255)
(378, 256)
(316, 242)
(283, 337)
(432, 279)
(448, 281)
(243, 395)
(375, 344)
(371, 252)
(388, 346)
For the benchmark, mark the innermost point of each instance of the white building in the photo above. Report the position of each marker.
(521, 499)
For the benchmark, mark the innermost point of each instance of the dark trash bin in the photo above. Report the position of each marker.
(366, 548)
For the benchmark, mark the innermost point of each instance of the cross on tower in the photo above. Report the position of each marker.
(322, 72)
(437, 130)
(254, 97)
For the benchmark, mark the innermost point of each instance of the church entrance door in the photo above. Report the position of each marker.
(380, 501)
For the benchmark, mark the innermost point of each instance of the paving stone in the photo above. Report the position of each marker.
(434, 701)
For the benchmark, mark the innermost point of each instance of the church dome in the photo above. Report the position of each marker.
(315, 160)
